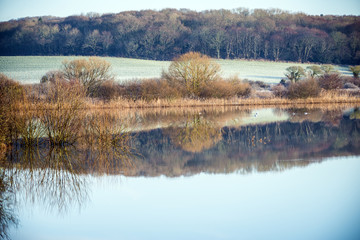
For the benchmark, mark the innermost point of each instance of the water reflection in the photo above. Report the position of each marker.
(51, 176)
(262, 147)
(8, 216)
(196, 135)
(200, 141)
(173, 144)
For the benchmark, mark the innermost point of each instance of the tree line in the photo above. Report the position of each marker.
(270, 34)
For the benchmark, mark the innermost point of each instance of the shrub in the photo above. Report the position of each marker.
(351, 80)
(294, 73)
(355, 81)
(355, 70)
(304, 89)
(217, 89)
(131, 90)
(160, 88)
(258, 84)
(279, 90)
(192, 71)
(10, 91)
(52, 76)
(150, 89)
(11, 94)
(91, 73)
(62, 122)
(226, 88)
(327, 68)
(108, 90)
(331, 81)
(314, 70)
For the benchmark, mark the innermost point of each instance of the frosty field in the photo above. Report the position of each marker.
(30, 69)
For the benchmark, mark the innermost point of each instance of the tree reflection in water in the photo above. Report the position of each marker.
(58, 177)
(196, 135)
(51, 176)
(273, 146)
(8, 216)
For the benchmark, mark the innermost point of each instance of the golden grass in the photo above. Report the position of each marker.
(256, 100)
(326, 97)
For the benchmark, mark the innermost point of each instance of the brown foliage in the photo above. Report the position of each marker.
(280, 90)
(353, 80)
(10, 91)
(91, 73)
(108, 90)
(304, 89)
(160, 89)
(331, 81)
(226, 88)
(62, 118)
(11, 94)
(192, 71)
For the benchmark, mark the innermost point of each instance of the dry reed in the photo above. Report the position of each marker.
(325, 97)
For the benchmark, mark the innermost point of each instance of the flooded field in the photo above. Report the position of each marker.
(198, 173)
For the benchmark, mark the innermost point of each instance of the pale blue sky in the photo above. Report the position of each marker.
(13, 9)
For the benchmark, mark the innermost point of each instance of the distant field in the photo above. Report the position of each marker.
(30, 69)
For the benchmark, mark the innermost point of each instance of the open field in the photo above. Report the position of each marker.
(30, 69)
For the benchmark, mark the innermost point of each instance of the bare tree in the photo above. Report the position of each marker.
(90, 73)
(192, 70)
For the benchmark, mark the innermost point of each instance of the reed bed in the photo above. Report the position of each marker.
(325, 97)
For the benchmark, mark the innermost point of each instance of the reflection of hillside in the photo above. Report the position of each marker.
(249, 148)
(199, 143)
(179, 143)
(149, 119)
(201, 146)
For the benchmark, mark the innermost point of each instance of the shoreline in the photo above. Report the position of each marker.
(128, 104)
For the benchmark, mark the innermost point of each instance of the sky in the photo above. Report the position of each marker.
(14, 9)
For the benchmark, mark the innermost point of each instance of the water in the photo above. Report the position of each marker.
(200, 174)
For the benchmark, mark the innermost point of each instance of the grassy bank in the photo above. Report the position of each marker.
(325, 97)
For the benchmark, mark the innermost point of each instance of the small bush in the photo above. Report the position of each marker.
(226, 89)
(150, 89)
(91, 73)
(62, 122)
(314, 70)
(217, 89)
(160, 88)
(10, 91)
(279, 90)
(355, 70)
(192, 71)
(52, 76)
(11, 94)
(331, 81)
(353, 80)
(108, 90)
(294, 73)
(259, 85)
(327, 68)
(304, 89)
(131, 90)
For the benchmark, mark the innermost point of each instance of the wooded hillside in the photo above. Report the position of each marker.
(162, 35)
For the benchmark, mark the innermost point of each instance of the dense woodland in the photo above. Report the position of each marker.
(162, 35)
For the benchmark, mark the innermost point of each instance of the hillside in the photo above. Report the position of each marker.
(162, 35)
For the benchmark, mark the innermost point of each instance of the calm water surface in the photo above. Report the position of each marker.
(199, 174)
